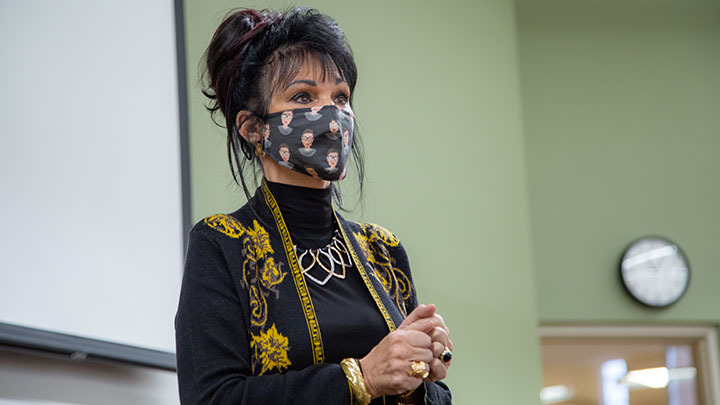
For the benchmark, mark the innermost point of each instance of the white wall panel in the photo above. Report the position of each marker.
(91, 228)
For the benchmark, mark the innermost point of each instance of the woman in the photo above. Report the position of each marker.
(283, 301)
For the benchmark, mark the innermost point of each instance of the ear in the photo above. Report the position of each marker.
(247, 126)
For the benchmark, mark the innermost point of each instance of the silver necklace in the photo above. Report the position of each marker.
(326, 258)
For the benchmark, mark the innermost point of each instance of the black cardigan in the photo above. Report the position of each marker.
(246, 327)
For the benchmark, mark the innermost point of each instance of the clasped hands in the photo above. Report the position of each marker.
(422, 336)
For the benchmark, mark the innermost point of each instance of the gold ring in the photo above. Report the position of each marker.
(446, 355)
(420, 369)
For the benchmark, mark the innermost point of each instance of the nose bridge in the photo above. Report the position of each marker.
(326, 100)
(326, 97)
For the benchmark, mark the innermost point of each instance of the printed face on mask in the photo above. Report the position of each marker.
(284, 153)
(286, 118)
(307, 138)
(332, 159)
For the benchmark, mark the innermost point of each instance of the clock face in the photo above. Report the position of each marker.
(655, 271)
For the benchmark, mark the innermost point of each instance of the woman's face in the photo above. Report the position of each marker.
(308, 89)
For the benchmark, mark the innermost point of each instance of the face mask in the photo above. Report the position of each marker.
(312, 141)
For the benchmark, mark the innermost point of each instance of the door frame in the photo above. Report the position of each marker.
(706, 338)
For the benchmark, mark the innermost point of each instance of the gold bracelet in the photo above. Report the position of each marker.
(356, 380)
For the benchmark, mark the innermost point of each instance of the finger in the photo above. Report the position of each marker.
(439, 334)
(406, 383)
(437, 349)
(419, 354)
(442, 322)
(418, 339)
(438, 371)
(422, 311)
(424, 325)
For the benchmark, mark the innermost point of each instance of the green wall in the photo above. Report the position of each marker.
(622, 125)
(438, 106)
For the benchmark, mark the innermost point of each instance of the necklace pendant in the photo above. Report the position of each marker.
(336, 253)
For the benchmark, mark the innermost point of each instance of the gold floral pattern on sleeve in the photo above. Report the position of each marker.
(225, 224)
(271, 349)
(374, 242)
(378, 233)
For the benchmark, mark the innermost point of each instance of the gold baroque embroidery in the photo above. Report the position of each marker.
(261, 240)
(374, 242)
(271, 348)
(225, 224)
(260, 270)
(377, 232)
(363, 242)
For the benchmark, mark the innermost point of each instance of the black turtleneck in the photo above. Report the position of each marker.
(349, 319)
(307, 213)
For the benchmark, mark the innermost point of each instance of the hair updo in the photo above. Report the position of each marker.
(252, 54)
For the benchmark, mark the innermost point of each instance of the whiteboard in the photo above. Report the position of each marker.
(91, 215)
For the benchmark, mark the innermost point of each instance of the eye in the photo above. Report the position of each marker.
(342, 99)
(302, 98)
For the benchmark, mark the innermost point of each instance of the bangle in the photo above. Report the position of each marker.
(352, 370)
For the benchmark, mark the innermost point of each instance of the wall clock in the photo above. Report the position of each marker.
(655, 271)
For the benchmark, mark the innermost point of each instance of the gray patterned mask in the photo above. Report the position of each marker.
(313, 141)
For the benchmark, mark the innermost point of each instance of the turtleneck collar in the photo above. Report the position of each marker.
(307, 213)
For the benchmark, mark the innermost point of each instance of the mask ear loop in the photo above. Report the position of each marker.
(247, 146)
(259, 152)
(260, 144)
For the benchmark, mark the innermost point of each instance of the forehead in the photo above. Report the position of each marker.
(303, 65)
(318, 70)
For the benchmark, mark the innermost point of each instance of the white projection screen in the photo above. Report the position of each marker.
(91, 176)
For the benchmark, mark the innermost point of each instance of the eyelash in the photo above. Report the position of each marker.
(345, 98)
(298, 98)
(300, 95)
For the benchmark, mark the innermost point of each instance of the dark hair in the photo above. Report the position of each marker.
(251, 54)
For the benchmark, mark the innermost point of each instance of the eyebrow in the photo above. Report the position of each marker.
(339, 80)
(310, 82)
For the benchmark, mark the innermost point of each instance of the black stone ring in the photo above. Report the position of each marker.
(446, 355)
